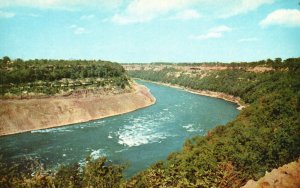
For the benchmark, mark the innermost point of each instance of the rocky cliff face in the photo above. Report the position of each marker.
(31, 114)
(287, 176)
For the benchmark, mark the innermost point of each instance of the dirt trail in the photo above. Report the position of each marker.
(18, 116)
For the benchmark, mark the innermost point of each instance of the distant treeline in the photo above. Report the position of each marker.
(17, 75)
(275, 63)
(19, 71)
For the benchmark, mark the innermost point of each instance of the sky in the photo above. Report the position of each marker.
(143, 31)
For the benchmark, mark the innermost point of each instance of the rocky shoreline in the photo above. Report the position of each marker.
(17, 116)
(213, 94)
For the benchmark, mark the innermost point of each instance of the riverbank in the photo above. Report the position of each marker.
(18, 116)
(220, 95)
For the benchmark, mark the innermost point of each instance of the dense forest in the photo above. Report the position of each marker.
(264, 136)
(49, 77)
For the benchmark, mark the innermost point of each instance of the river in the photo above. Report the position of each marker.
(139, 138)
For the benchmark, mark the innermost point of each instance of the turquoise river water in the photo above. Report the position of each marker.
(139, 138)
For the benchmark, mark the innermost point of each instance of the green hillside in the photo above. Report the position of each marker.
(264, 136)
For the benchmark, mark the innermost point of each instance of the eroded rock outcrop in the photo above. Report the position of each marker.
(287, 176)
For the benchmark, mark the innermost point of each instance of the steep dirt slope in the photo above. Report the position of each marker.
(30, 114)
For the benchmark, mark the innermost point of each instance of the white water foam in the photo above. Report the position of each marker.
(189, 128)
(52, 130)
(119, 151)
(144, 130)
(82, 163)
(192, 128)
(90, 124)
(140, 139)
(98, 153)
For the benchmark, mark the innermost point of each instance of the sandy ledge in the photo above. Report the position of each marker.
(18, 116)
(208, 93)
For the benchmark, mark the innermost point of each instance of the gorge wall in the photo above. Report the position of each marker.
(18, 115)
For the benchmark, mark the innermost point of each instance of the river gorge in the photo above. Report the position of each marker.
(138, 138)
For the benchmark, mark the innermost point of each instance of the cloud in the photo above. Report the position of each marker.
(4, 14)
(188, 14)
(87, 17)
(213, 33)
(207, 36)
(61, 4)
(286, 17)
(77, 30)
(252, 39)
(139, 11)
(124, 20)
(230, 8)
(220, 29)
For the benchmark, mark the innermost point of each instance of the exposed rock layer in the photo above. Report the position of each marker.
(18, 116)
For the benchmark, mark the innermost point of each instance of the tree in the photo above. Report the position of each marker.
(6, 60)
(278, 60)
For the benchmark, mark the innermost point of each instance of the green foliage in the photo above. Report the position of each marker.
(98, 173)
(264, 136)
(49, 77)
(5, 60)
(68, 176)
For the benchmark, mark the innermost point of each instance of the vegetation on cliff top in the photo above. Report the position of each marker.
(49, 77)
(264, 136)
